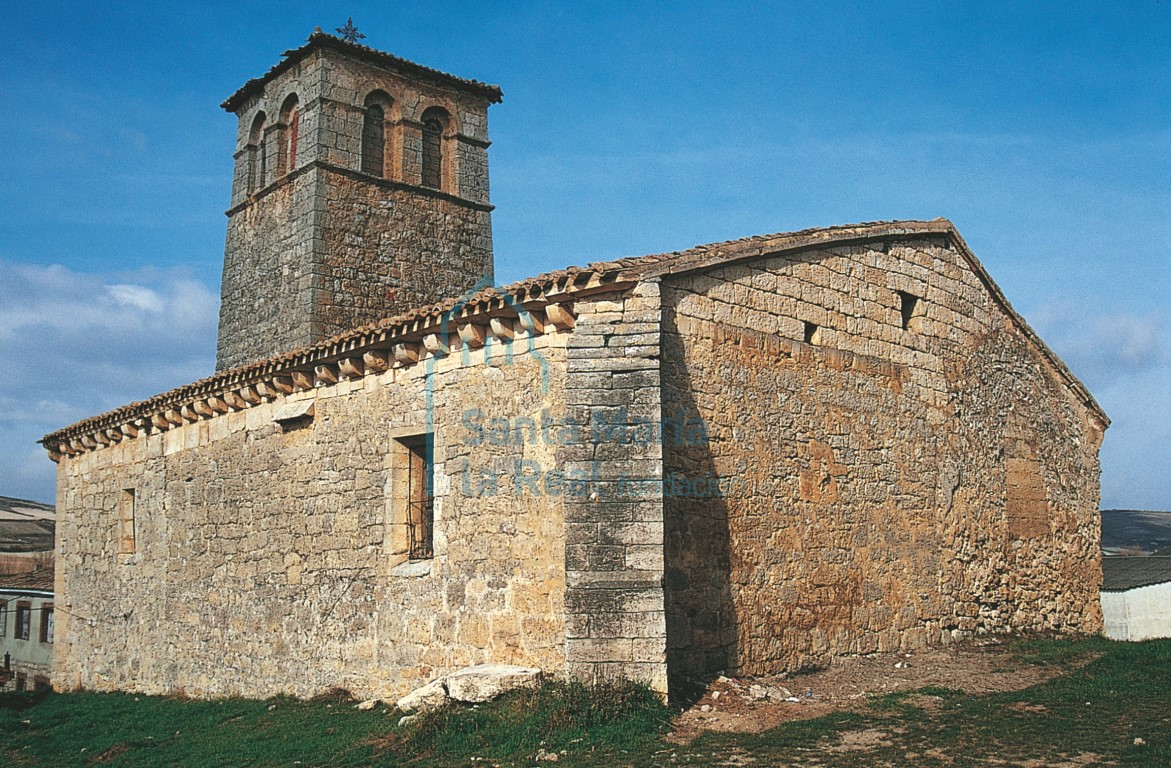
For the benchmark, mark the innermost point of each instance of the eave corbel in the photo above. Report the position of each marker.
(472, 335)
(351, 368)
(406, 354)
(324, 375)
(376, 361)
(302, 380)
(560, 316)
(501, 329)
(434, 343)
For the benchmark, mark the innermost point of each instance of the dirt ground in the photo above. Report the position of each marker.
(757, 704)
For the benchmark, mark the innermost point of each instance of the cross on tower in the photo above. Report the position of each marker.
(349, 32)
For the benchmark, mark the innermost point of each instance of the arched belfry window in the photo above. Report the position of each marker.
(435, 122)
(374, 134)
(254, 152)
(290, 128)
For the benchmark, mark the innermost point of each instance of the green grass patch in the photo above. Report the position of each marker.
(1062, 652)
(570, 718)
(1108, 695)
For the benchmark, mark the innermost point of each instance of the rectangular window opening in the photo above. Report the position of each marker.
(127, 536)
(812, 333)
(47, 623)
(24, 620)
(420, 496)
(909, 309)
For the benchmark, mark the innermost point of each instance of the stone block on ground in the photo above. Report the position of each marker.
(433, 695)
(487, 681)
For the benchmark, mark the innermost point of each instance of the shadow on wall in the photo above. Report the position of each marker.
(701, 619)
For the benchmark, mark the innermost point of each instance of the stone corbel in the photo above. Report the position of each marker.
(173, 417)
(202, 409)
(531, 320)
(560, 317)
(282, 384)
(501, 329)
(406, 354)
(351, 368)
(234, 401)
(471, 335)
(249, 395)
(324, 375)
(302, 381)
(160, 421)
(218, 404)
(376, 361)
(434, 344)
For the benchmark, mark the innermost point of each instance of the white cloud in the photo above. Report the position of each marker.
(86, 343)
(1125, 360)
(136, 297)
(1104, 349)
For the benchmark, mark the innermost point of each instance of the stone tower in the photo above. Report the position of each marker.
(360, 191)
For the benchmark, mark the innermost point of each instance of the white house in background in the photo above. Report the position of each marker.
(26, 630)
(1136, 597)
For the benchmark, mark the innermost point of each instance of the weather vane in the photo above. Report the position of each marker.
(349, 32)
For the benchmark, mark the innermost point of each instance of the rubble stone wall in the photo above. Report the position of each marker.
(876, 487)
(262, 561)
(387, 249)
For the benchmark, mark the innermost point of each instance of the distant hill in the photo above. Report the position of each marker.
(1135, 531)
(26, 526)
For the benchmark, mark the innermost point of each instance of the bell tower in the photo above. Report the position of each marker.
(360, 192)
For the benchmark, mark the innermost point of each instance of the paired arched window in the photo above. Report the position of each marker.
(254, 152)
(435, 121)
(374, 133)
(290, 127)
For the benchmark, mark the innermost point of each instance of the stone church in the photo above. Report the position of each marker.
(749, 456)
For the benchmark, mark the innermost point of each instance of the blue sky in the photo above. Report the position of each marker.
(1042, 130)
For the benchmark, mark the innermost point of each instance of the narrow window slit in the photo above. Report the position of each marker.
(909, 309)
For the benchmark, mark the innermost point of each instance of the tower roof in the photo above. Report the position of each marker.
(320, 40)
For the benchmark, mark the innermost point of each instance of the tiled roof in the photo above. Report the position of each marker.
(320, 39)
(1122, 573)
(551, 288)
(41, 581)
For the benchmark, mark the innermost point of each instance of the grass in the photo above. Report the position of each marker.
(1090, 715)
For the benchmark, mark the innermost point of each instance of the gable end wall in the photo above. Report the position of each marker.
(877, 469)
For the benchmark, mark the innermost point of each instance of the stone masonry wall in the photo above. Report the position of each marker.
(264, 559)
(863, 486)
(269, 274)
(614, 534)
(385, 248)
